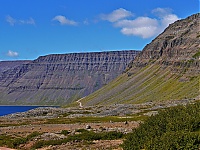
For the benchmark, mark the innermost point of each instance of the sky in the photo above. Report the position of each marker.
(33, 28)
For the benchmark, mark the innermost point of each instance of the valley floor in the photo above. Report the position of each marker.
(51, 124)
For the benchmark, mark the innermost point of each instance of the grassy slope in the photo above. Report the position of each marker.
(151, 83)
(174, 75)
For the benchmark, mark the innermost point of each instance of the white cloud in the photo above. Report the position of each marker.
(116, 15)
(144, 31)
(165, 15)
(13, 21)
(160, 12)
(12, 54)
(168, 19)
(64, 21)
(144, 27)
(140, 21)
(30, 21)
(10, 20)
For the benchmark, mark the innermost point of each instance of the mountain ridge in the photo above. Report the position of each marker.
(61, 78)
(166, 69)
(6, 65)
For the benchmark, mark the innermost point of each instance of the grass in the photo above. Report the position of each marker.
(151, 83)
(197, 55)
(15, 142)
(108, 87)
(94, 119)
(87, 136)
(7, 125)
(65, 132)
(23, 121)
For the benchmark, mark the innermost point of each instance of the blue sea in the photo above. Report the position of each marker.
(5, 110)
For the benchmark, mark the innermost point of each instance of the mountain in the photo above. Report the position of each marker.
(166, 69)
(6, 65)
(60, 78)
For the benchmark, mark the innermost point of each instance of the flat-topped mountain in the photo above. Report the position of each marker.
(6, 65)
(167, 69)
(61, 78)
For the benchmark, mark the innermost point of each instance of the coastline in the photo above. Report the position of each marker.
(13, 109)
(51, 123)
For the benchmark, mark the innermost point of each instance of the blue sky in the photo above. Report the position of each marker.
(31, 28)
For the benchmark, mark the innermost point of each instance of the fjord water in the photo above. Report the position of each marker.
(5, 110)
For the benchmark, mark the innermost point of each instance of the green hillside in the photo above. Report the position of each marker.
(151, 83)
(167, 69)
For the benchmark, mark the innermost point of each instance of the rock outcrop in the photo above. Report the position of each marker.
(61, 78)
(167, 69)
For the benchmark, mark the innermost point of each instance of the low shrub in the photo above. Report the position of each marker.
(65, 132)
(84, 135)
(81, 130)
(16, 142)
(173, 128)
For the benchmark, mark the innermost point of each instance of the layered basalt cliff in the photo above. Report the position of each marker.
(61, 78)
(177, 46)
(167, 69)
(6, 65)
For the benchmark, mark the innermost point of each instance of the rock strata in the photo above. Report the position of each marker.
(178, 46)
(6, 65)
(61, 78)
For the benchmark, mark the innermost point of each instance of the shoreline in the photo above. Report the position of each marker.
(8, 109)
(51, 123)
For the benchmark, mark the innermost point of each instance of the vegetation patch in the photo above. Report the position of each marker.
(181, 123)
(14, 142)
(84, 135)
(151, 83)
(197, 55)
(93, 119)
(65, 132)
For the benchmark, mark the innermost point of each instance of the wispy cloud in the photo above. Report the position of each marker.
(12, 54)
(116, 15)
(160, 12)
(64, 21)
(30, 21)
(165, 15)
(13, 21)
(144, 27)
(10, 20)
(86, 22)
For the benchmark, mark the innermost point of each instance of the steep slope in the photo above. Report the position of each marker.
(166, 69)
(61, 78)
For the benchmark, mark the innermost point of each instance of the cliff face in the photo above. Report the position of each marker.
(166, 69)
(176, 46)
(6, 65)
(61, 78)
